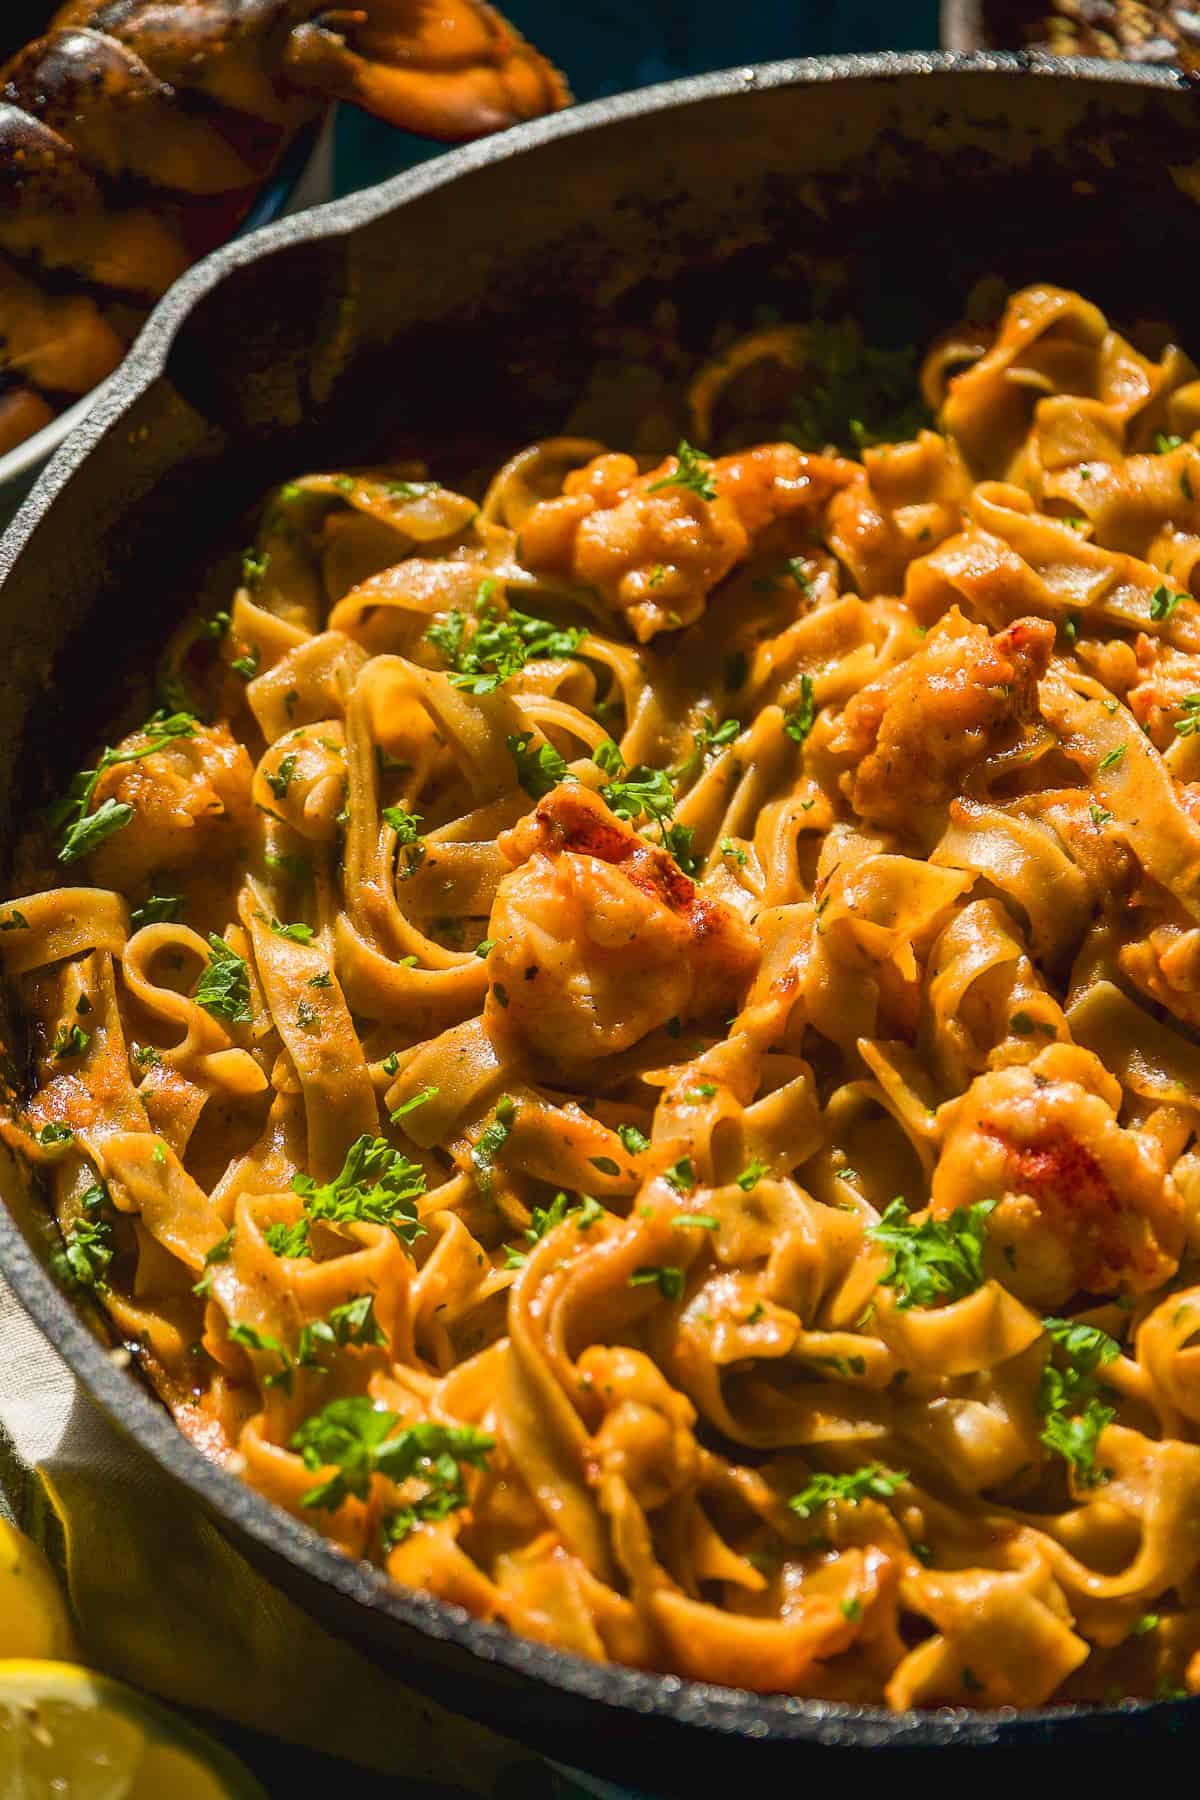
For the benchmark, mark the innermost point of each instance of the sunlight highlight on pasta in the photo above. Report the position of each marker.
(628, 1050)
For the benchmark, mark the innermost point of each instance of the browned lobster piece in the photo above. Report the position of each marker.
(134, 134)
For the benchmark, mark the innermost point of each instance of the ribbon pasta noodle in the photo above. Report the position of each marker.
(631, 1049)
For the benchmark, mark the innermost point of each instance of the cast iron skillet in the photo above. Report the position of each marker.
(457, 308)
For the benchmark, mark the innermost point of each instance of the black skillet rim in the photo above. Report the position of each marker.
(732, 1711)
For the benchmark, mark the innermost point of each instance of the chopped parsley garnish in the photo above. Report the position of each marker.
(538, 771)
(635, 1141)
(255, 567)
(751, 1175)
(16, 921)
(484, 948)
(221, 1251)
(354, 1437)
(224, 990)
(53, 1134)
(872, 1482)
(607, 757)
(799, 719)
(708, 737)
(1099, 816)
(1163, 602)
(280, 779)
(288, 1240)
(940, 1259)
(298, 934)
(1071, 1399)
(353, 1323)
(604, 1164)
(405, 824)
(159, 909)
(498, 648)
(697, 1222)
(1165, 442)
(491, 1141)
(1112, 759)
(641, 792)
(693, 470)
(251, 1338)
(1189, 725)
(90, 832)
(729, 848)
(88, 1248)
(247, 666)
(645, 793)
(414, 1100)
(70, 1040)
(545, 1218)
(681, 1176)
(677, 841)
(668, 1281)
(411, 490)
(376, 1186)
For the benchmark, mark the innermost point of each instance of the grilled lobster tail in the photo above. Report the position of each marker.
(134, 135)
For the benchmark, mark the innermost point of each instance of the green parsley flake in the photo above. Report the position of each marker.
(224, 990)
(352, 1323)
(799, 720)
(279, 780)
(539, 771)
(872, 1482)
(1071, 1399)
(681, 1176)
(354, 1438)
(494, 649)
(693, 470)
(491, 1141)
(159, 909)
(377, 1185)
(1163, 602)
(1189, 725)
(88, 1246)
(297, 934)
(405, 824)
(940, 1259)
(415, 1100)
(289, 1239)
(668, 1281)
(1112, 759)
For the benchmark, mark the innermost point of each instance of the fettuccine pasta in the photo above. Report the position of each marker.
(630, 1050)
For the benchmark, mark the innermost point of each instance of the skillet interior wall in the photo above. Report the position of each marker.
(462, 324)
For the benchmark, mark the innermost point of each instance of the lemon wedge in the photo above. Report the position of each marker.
(33, 1615)
(68, 1734)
